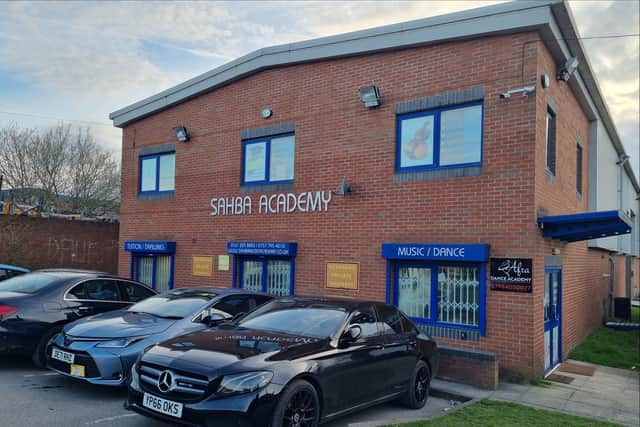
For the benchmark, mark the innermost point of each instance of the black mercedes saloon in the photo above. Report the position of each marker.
(294, 362)
(35, 306)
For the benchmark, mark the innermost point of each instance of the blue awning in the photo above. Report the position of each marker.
(585, 226)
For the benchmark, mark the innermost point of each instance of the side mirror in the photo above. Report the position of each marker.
(213, 319)
(350, 335)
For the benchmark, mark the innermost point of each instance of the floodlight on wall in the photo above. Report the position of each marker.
(568, 69)
(525, 91)
(370, 96)
(344, 188)
(181, 133)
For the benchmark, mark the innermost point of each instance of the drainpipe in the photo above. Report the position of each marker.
(612, 282)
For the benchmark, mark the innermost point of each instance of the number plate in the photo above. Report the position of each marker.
(77, 370)
(63, 356)
(164, 406)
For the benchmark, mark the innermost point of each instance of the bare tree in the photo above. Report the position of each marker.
(62, 162)
(94, 175)
(16, 157)
(51, 159)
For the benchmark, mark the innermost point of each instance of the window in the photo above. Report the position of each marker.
(366, 318)
(441, 294)
(235, 304)
(551, 141)
(444, 137)
(157, 173)
(133, 292)
(155, 271)
(96, 290)
(390, 320)
(268, 160)
(272, 276)
(579, 168)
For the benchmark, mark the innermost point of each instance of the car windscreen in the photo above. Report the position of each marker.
(27, 283)
(316, 320)
(166, 306)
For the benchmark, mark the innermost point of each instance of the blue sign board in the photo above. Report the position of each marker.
(436, 252)
(153, 247)
(262, 248)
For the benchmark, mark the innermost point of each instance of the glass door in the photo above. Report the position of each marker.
(163, 273)
(552, 318)
(154, 271)
(144, 270)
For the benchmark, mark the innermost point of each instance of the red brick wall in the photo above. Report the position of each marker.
(335, 137)
(47, 243)
(585, 281)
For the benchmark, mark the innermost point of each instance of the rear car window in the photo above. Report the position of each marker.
(27, 283)
(97, 290)
(133, 292)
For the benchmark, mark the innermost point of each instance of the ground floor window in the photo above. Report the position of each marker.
(153, 270)
(271, 275)
(447, 294)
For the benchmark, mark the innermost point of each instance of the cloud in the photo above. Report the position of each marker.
(91, 58)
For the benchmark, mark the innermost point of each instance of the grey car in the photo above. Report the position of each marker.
(102, 349)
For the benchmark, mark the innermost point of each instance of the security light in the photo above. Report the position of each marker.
(569, 68)
(181, 133)
(370, 96)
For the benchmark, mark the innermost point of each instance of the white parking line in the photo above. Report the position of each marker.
(40, 375)
(104, 420)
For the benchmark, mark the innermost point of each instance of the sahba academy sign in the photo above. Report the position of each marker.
(278, 203)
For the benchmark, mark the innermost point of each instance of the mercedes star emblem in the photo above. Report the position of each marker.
(166, 381)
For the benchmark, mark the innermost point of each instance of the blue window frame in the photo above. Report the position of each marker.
(440, 138)
(268, 160)
(449, 295)
(155, 270)
(157, 173)
(272, 275)
(550, 143)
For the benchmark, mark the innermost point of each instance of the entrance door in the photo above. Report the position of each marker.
(154, 271)
(552, 318)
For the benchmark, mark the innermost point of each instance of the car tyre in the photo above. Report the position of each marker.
(418, 391)
(39, 357)
(298, 406)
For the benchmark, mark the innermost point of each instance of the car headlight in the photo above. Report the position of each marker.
(120, 342)
(245, 382)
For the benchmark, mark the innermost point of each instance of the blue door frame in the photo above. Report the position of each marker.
(134, 268)
(552, 318)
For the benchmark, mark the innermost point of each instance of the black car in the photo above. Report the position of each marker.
(293, 362)
(35, 306)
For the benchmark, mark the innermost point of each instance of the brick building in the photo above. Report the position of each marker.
(468, 197)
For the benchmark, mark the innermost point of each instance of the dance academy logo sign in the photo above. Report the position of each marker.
(511, 274)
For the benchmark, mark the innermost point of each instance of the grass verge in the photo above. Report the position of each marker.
(487, 413)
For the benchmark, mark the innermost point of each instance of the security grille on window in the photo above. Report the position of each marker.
(442, 295)
(458, 295)
(272, 276)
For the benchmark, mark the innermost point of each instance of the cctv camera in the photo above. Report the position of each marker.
(569, 68)
(505, 95)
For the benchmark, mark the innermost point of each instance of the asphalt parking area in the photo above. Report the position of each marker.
(33, 397)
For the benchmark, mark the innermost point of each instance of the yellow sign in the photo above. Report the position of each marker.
(202, 266)
(223, 262)
(342, 275)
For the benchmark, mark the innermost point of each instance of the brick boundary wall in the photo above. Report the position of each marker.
(478, 368)
(36, 243)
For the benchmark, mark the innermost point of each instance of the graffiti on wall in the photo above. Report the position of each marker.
(68, 251)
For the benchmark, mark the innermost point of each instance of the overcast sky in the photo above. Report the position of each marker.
(82, 60)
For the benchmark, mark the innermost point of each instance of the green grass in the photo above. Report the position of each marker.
(491, 413)
(618, 349)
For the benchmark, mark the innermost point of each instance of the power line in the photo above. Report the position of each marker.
(38, 116)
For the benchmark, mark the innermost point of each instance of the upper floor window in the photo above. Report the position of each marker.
(579, 168)
(551, 141)
(444, 137)
(268, 160)
(157, 172)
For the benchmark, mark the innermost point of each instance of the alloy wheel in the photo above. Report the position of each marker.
(422, 384)
(301, 410)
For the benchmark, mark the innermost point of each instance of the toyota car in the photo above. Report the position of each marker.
(101, 349)
(293, 362)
